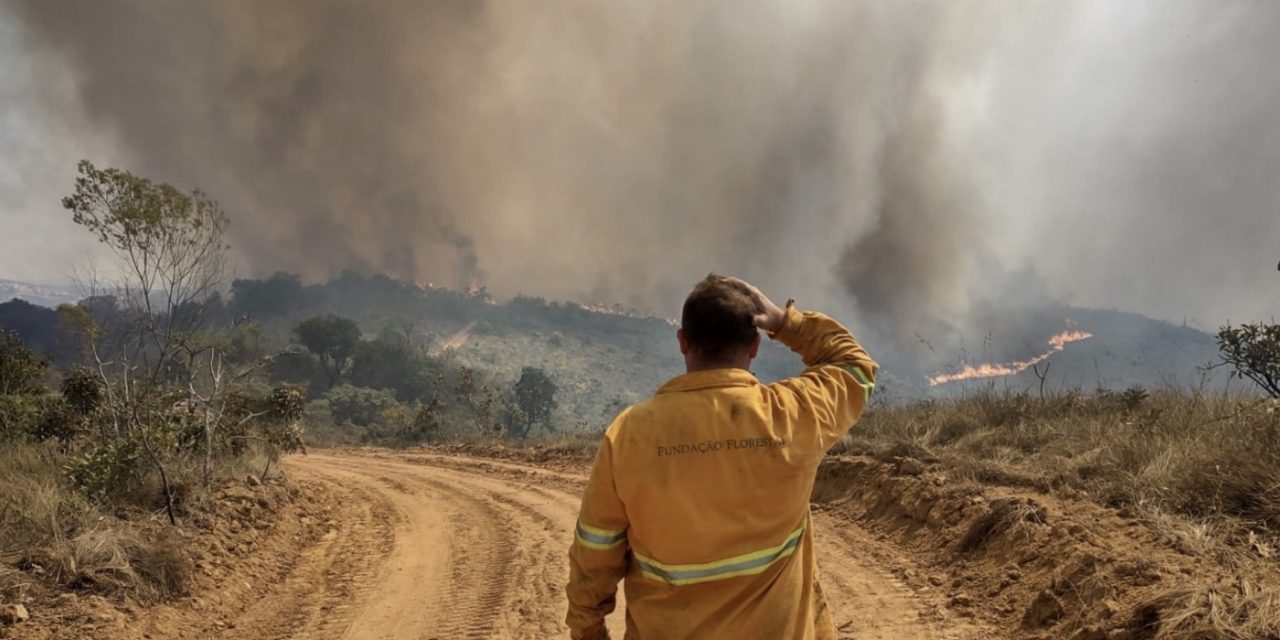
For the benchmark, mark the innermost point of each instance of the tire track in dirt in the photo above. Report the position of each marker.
(479, 552)
(504, 543)
(444, 574)
(314, 600)
(868, 601)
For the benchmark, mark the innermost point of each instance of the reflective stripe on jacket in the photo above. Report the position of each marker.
(699, 498)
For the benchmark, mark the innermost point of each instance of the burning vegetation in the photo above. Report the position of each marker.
(998, 370)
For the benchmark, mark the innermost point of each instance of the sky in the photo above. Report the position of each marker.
(916, 166)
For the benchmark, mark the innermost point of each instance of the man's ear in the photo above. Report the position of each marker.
(755, 345)
(684, 342)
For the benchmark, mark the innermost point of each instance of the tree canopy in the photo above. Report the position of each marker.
(333, 339)
(278, 295)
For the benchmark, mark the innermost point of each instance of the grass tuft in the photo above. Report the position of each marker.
(1243, 611)
(1005, 516)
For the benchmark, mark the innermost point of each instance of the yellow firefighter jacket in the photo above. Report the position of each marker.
(699, 498)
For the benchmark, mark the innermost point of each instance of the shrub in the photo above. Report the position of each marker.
(82, 390)
(18, 416)
(107, 469)
(357, 405)
(56, 421)
(20, 369)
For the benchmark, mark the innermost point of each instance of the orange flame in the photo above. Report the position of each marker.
(619, 310)
(1061, 340)
(987, 370)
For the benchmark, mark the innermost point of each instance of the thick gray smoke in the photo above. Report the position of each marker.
(923, 164)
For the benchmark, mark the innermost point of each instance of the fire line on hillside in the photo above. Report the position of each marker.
(997, 370)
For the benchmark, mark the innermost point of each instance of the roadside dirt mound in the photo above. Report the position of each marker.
(1034, 565)
(230, 546)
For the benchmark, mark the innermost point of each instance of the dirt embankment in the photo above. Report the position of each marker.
(469, 542)
(1036, 566)
(240, 544)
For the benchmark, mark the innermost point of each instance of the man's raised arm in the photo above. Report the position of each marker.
(841, 375)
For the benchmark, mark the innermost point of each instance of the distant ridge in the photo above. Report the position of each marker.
(44, 295)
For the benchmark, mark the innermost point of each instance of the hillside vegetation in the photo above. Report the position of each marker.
(421, 342)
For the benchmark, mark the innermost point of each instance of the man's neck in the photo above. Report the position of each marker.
(694, 367)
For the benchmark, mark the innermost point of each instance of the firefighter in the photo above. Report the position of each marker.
(699, 496)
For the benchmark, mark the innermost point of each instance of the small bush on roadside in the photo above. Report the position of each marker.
(359, 406)
(107, 469)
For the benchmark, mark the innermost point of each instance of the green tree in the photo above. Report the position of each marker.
(333, 339)
(481, 400)
(536, 398)
(278, 295)
(170, 247)
(391, 361)
(20, 369)
(1253, 351)
(280, 428)
(299, 367)
(159, 352)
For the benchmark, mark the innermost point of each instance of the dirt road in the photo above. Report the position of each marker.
(451, 547)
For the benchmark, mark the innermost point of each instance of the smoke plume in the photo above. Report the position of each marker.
(921, 165)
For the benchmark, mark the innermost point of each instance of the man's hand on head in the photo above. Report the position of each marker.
(771, 316)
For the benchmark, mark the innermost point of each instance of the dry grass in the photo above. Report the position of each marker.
(119, 557)
(52, 536)
(1006, 515)
(37, 507)
(1243, 611)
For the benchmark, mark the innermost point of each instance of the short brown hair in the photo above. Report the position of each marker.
(718, 317)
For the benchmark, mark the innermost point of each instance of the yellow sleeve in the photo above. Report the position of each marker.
(830, 395)
(599, 555)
